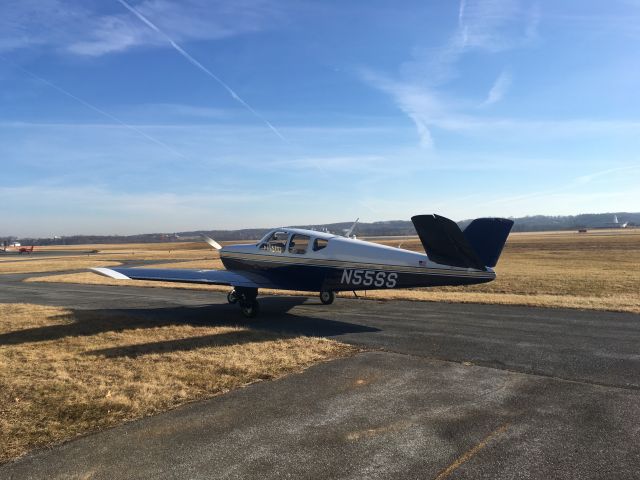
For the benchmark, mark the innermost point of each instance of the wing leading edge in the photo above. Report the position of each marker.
(212, 277)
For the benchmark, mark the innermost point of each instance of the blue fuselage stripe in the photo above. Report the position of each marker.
(320, 274)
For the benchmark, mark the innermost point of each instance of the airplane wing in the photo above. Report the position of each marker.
(212, 277)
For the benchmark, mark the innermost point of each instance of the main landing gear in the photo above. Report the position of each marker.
(249, 306)
(327, 297)
(246, 298)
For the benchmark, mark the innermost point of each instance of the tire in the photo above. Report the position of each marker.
(250, 309)
(232, 298)
(327, 297)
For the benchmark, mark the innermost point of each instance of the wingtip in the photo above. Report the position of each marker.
(108, 272)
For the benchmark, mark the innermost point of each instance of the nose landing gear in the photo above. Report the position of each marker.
(250, 309)
(232, 297)
(246, 298)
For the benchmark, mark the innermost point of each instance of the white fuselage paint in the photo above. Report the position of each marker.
(362, 263)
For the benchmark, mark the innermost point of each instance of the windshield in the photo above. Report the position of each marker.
(276, 242)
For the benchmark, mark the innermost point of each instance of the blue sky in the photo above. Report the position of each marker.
(160, 115)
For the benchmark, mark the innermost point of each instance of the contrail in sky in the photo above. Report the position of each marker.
(98, 110)
(195, 62)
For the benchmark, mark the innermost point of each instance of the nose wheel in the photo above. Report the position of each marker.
(327, 297)
(250, 309)
(246, 298)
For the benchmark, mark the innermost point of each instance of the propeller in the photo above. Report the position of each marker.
(212, 242)
(349, 231)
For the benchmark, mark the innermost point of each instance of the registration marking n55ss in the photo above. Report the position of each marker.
(368, 278)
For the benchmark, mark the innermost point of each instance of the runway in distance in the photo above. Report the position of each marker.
(311, 261)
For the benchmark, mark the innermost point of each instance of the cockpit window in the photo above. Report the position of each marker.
(276, 243)
(299, 244)
(319, 244)
(264, 238)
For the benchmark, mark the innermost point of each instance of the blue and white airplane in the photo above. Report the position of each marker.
(306, 260)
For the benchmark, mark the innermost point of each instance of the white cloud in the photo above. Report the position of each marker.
(486, 26)
(461, 10)
(77, 28)
(421, 105)
(337, 164)
(109, 34)
(531, 30)
(584, 179)
(535, 129)
(137, 13)
(499, 89)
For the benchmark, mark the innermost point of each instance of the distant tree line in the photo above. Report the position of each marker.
(536, 223)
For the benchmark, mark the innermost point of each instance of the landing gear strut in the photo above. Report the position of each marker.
(327, 297)
(232, 297)
(246, 297)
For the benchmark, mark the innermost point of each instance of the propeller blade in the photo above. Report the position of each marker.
(349, 232)
(212, 242)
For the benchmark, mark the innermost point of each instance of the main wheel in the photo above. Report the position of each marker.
(232, 297)
(250, 308)
(327, 297)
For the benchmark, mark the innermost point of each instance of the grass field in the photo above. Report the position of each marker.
(65, 373)
(597, 270)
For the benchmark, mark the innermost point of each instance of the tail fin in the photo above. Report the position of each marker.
(444, 242)
(478, 246)
(487, 237)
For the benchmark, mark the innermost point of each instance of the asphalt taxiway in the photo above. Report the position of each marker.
(440, 391)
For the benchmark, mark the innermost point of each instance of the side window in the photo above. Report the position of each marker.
(299, 244)
(319, 244)
(276, 243)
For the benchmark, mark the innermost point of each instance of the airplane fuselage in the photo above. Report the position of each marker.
(341, 264)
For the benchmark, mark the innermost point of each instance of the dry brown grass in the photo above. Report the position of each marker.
(126, 247)
(597, 270)
(111, 255)
(55, 265)
(177, 252)
(193, 255)
(66, 373)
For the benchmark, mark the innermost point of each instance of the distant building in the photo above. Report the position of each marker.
(16, 244)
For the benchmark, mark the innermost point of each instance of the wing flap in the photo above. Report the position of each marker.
(212, 277)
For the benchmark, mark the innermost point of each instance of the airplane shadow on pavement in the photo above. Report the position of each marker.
(275, 318)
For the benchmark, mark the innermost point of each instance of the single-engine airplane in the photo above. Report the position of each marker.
(306, 260)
